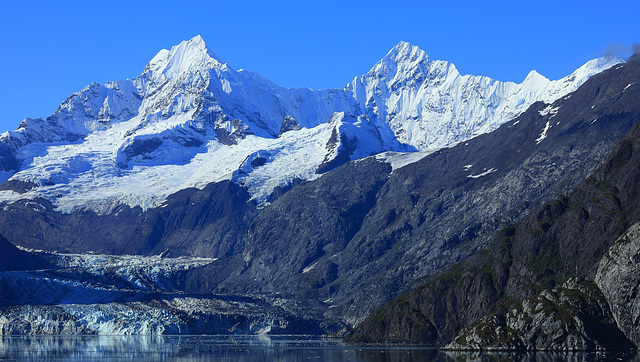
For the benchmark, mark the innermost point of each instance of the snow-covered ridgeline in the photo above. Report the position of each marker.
(190, 119)
(428, 104)
(68, 173)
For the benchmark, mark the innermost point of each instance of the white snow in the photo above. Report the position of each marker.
(543, 135)
(401, 159)
(309, 268)
(484, 173)
(139, 140)
(427, 104)
(553, 111)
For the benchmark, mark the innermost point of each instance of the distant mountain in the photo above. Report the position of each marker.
(427, 104)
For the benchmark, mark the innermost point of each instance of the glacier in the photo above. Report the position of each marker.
(190, 119)
(93, 294)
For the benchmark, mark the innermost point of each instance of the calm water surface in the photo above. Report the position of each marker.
(248, 348)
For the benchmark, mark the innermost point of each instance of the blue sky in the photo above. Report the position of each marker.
(50, 49)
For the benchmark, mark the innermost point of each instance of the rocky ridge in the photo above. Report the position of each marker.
(190, 119)
(618, 278)
(571, 317)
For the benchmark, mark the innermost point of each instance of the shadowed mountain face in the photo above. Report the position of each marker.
(538, 260)
(13, 259)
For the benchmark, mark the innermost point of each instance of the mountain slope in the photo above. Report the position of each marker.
(434, 212)
(537, 253)
(12, 258)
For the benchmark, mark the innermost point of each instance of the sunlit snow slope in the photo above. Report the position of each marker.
(190, 119)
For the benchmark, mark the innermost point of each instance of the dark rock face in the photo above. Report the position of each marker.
(141, 147)
(208, 222)
(238, 131)
(295, 238)
(564, 238)
(12, 258)
(573, 317)
(342, 148)
(618, 277)
(288, 124)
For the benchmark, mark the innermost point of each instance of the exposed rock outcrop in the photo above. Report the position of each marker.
(573, 317)
(618, 277)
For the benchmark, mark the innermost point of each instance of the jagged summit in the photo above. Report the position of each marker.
(534, 75)
(189, 55)
(405, 51)
(405, 61)
(190, 120)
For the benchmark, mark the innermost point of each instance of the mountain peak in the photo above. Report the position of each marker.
(404, 51)
(599, 64)
(534, 76)
(188, 56)
(198, 44)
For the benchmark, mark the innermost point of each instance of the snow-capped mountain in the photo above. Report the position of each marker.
(190, 119)
(426, 104)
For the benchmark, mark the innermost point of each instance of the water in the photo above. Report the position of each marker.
(249, 348)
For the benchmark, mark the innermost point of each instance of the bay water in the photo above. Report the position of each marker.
(252, 348)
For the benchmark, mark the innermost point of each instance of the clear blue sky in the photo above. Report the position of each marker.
(50, 49)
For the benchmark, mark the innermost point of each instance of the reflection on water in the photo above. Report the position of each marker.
(250, 348)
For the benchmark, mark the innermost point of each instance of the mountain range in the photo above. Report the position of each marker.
(287, 210)
(190, 120)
